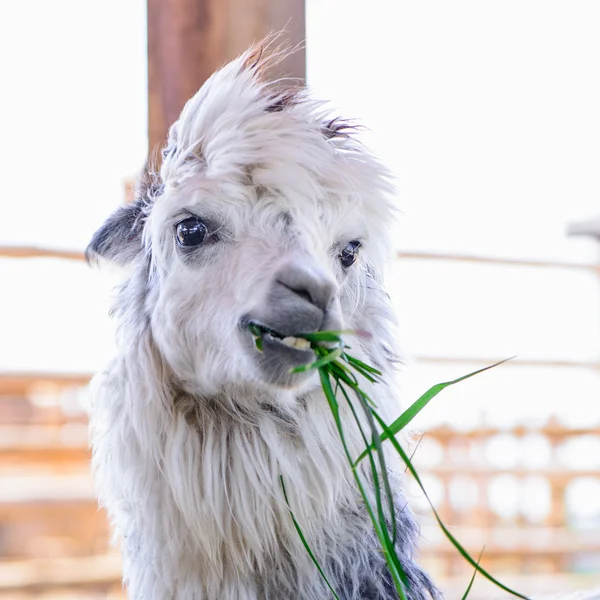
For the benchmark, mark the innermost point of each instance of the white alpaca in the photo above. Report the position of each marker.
(265, 211)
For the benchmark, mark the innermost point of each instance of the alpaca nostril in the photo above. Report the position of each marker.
(311, 284)
(303, 293)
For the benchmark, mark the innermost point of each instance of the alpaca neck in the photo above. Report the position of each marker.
(195, 481)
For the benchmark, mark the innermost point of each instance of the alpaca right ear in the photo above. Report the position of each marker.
(120, 238)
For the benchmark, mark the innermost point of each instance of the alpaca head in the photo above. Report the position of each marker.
(266, 211)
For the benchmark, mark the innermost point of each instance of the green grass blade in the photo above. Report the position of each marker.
(324, 336)
(382, 467)
(338, 365)
(355, 362)
(390, 557)
(418, 405)
(321, 362)
(366, 405)
(446, 531)
(255, 330)
(333, 336)
(468, 590)
(305, 543)
(339, 370)
(380, 526)
(366, 374)
(415, 408)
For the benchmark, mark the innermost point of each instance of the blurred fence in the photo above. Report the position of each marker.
(529, 496)
(535, 517)
(54, 542)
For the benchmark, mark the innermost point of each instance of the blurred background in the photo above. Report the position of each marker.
(489, 115)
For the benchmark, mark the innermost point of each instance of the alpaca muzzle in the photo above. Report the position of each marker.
(302, 299)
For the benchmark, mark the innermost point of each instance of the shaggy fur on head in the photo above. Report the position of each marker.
(191, 425)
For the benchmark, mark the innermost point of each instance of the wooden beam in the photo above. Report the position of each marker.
(46, 446)
(552, 430)
(46, 488)
(495, 550)
(550, 474)
(492, 260)
(513, 362)
(540, 584)
(44, 573)
(78, 592)
(189, 39)
(20, 384)
(38, 252)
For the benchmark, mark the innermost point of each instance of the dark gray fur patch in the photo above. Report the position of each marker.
(279, 102)
(168, 151)
(360, 572)
(287, 219)
(364, 565)
(339, 128)
(120, 237)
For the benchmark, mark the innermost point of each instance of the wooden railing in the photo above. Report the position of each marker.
(48, 511)
(39, 252)
(53, 537)
(549, 543)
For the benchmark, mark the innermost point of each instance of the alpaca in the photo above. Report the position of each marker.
(266, 211)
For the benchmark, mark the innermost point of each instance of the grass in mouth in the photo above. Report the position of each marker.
(340, 374)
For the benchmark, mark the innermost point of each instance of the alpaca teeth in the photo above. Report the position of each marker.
(298, 343)
(302, 344)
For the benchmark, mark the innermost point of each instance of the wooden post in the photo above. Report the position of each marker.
(189, 39)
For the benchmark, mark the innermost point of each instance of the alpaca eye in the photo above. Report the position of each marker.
(349, 254)
(191, 232)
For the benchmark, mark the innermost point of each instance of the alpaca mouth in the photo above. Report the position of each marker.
(263, 334)
(277, 354)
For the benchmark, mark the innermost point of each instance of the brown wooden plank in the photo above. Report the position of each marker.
(551, 586)
(189, 39)
(42, 573)
(39, 252)
(497, 551)
(31, 438)
(497, 260)
(45, 488)
(551, 430)
(515, 362)
(94, 592)
(53, 530)
(53, 459)
(552, 475)
(52, 447)
(21, 383)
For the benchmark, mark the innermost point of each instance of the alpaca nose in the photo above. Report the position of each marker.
(309, 282)
(302, 298)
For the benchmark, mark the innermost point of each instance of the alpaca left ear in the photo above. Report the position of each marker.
(120, 238)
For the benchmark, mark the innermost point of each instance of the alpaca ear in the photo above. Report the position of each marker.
(120, 238)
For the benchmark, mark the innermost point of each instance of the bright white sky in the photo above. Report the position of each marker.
(74, 130)
(488, 112)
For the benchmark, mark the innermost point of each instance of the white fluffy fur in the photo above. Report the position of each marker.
(187, 458)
